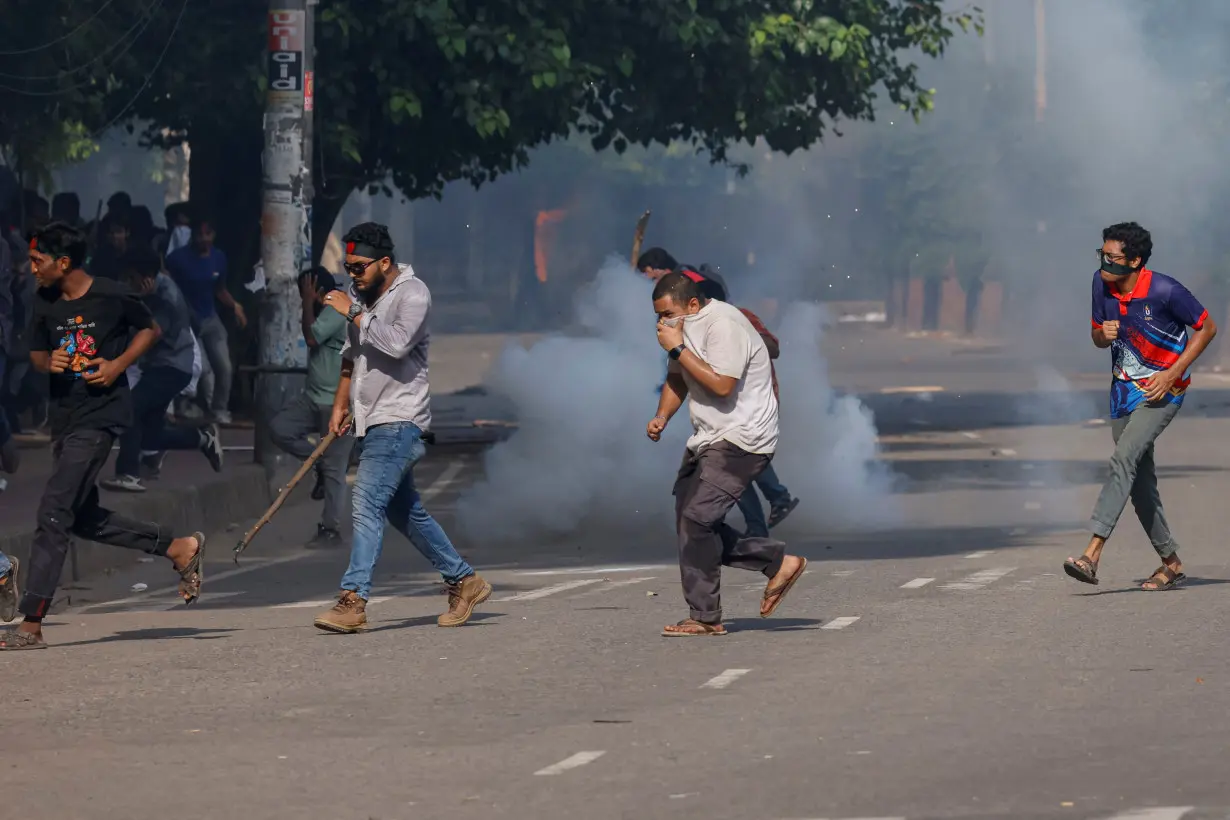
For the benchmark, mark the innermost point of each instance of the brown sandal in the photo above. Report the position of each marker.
(192, 575)
(1165, 578)
(692, 628)
(779, 592)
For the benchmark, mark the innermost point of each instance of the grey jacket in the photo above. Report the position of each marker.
(175, 347)
(388, 345)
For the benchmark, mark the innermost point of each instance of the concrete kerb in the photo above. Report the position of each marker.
(210, 506)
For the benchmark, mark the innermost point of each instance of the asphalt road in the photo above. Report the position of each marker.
(943, 667)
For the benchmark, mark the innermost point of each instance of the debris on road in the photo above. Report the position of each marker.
(139, 587)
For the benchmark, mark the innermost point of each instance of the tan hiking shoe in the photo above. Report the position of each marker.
(349, 614)
(462, 598)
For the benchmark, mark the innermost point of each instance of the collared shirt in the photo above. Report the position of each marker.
(1153, 320)
(388, 345)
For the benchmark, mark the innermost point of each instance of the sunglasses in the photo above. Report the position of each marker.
(357, 268)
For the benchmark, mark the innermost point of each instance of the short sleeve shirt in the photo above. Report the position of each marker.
(97, 325)
(1153, 322)
(723, 337)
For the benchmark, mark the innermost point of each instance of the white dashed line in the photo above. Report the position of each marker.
(725, 679)
(841, 623)
(578, 759)
(982, 554)
(326, 601)
(841, 573)
(1160, 813)
(980, 579)
(210, 578)
(591, 570)
(917, 583)
(535, 594)
(443, 480)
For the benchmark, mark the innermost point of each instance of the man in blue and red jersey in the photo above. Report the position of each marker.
(1143, 317)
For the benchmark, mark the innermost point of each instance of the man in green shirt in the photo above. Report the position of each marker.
(325, 333)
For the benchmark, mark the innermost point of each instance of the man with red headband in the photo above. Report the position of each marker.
(86, 333)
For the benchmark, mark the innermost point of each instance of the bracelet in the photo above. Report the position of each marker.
(664, 418)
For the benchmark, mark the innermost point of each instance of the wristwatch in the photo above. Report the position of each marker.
(675, 353)
(355, 310)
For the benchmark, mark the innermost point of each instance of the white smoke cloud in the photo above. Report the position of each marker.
(582, 400)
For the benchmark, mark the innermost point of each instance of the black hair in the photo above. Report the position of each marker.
(320, 277)
(119, 201)
(143, 261)
(66, 205)
(1137, 242)
(656, 258)
(681, 289)
(374, 235)
(62, 239)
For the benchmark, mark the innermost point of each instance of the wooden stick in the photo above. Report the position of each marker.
(639, 237)
(286, 491)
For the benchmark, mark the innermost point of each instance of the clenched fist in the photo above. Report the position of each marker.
(655, 427)
(1110, 331)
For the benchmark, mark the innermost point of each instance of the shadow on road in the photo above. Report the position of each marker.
(159, 634)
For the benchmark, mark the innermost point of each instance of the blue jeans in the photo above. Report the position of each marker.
(774, 491)
(749, 503)
(384, 488)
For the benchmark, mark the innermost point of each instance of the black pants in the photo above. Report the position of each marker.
(70, 507)
(707, 486)
(156, 389)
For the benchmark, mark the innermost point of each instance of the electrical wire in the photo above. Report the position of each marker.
(147, 16)
(61, 38)
(183, 8)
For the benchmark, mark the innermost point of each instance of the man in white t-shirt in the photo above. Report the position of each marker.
(718, 360)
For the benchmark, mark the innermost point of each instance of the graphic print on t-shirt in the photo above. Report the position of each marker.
(81, 346)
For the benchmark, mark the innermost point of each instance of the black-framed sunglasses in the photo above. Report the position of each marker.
(357, 268)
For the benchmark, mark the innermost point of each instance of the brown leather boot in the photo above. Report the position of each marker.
(462, 598)
(349, 614)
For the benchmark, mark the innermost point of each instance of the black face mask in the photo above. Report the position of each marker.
(1114, 268)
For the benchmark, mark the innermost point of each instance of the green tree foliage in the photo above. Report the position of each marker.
(424, 92)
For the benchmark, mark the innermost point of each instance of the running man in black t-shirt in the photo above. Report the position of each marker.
(85, 332)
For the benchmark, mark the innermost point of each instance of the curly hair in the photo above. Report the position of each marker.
(374, 235)
(1137, 242)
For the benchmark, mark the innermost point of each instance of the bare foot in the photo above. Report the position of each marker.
(780, 584)
(183, 553)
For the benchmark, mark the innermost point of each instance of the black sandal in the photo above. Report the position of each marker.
(1082, 569)
(192, 576)
(1165, 578)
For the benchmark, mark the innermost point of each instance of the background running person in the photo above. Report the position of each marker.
(384, 383)
(310, 412)
(86, 332)
(1143, 317)
(719, 362)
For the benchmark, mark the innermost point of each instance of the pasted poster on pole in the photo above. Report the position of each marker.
(286, 38)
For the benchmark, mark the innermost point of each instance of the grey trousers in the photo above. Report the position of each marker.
(289, 430)
(1133, 475)
(707, 486)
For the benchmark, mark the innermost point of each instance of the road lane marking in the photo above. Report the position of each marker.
(917, 583)
(841, 623)
(725, 679)
(1159, 813)
(210, 578)
(841, 573)
(591, 570)
(326, 601)
(982, 554)
(444, 480)
(889, 391)
(535, 594)
(578, 759)
(980, 579)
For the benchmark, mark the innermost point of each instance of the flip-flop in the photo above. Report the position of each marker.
(781, 590)
(1082, 569)
(12, 640)
(703, 630)
(192, 576)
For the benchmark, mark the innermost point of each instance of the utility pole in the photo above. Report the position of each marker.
(286, 241)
